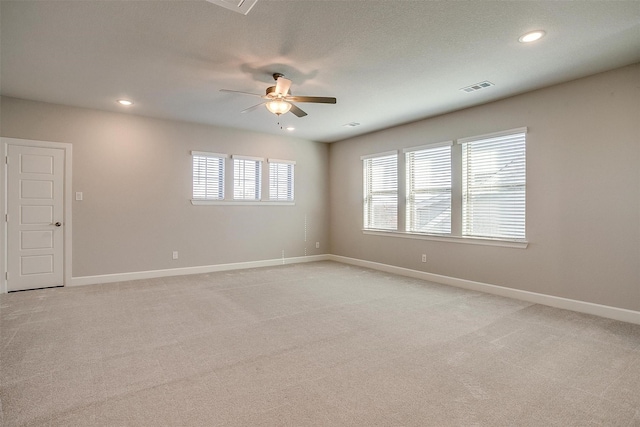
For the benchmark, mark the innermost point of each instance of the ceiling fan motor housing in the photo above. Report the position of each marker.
(272, 89)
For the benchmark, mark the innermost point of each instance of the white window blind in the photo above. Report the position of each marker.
(246, 178)
(381, 191)
(281, 180)
(208, 176)
(428, 172)
(494, 185)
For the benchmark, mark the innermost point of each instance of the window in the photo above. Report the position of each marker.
(472, 191)
(209, 180)
(428, 171)
(208, 175)
(246, 178)
(281, 180)
(493, 185)
(381, 191)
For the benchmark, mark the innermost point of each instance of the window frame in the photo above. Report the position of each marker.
(369, 193)
(513, 186)
(221, 176)
(274, 180)
(256, 180)
(413, 191)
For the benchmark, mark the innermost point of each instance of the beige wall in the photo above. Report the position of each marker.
(135, 174)
(583, 193)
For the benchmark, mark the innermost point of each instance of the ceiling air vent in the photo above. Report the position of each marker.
(477, 86)
(240, 6)
(351, 124)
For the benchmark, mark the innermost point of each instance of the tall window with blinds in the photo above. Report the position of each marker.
(281, 180)
(208, 175)
(381, 191)
(494, 185)
(247, 172)
(428, 173)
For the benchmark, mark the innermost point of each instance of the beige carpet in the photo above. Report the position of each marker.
(321, 344)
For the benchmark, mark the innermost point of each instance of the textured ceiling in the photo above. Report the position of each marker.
(387, 62)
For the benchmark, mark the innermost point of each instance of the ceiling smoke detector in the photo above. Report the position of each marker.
(477, 86)
(240, 6)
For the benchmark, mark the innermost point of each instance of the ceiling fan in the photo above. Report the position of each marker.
(279, 100)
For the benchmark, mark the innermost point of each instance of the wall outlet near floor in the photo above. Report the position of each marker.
(424, 257)
(175, 254)
(317, 245)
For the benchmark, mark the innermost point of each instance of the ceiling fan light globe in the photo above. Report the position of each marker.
(278, 107)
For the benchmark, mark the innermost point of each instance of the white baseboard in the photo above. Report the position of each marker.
(609, 312)
(152, 274)
(615, 313)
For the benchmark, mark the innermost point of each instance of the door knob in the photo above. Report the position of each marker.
(58, 224)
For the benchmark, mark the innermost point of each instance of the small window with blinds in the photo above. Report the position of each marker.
(494, 185)
(381, 191)
(247, 172)
(208, 175)
(428, 173)
(281, 180)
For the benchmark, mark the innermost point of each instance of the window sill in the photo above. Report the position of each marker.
(241, 203)
(519, 244)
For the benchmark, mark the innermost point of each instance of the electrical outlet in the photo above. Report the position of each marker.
(175, 254)
(424, 257)
(317, 245)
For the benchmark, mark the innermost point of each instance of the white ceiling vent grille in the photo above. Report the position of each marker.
(240, 6)
(477, 86)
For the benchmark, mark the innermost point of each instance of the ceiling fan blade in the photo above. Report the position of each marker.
(282, 86)
(317, 99)
(238, 91)
(297, 111)
(253, 108)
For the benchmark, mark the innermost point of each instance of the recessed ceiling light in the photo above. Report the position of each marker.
(531, 36)
(125, 102)
(291, 128)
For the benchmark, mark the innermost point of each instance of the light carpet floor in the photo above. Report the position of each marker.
(317, 344)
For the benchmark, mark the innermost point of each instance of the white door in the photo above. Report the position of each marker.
(35, 217)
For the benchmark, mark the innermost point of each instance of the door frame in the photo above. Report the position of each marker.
(67, 250)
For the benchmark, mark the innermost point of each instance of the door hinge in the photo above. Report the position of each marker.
(6, 217)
